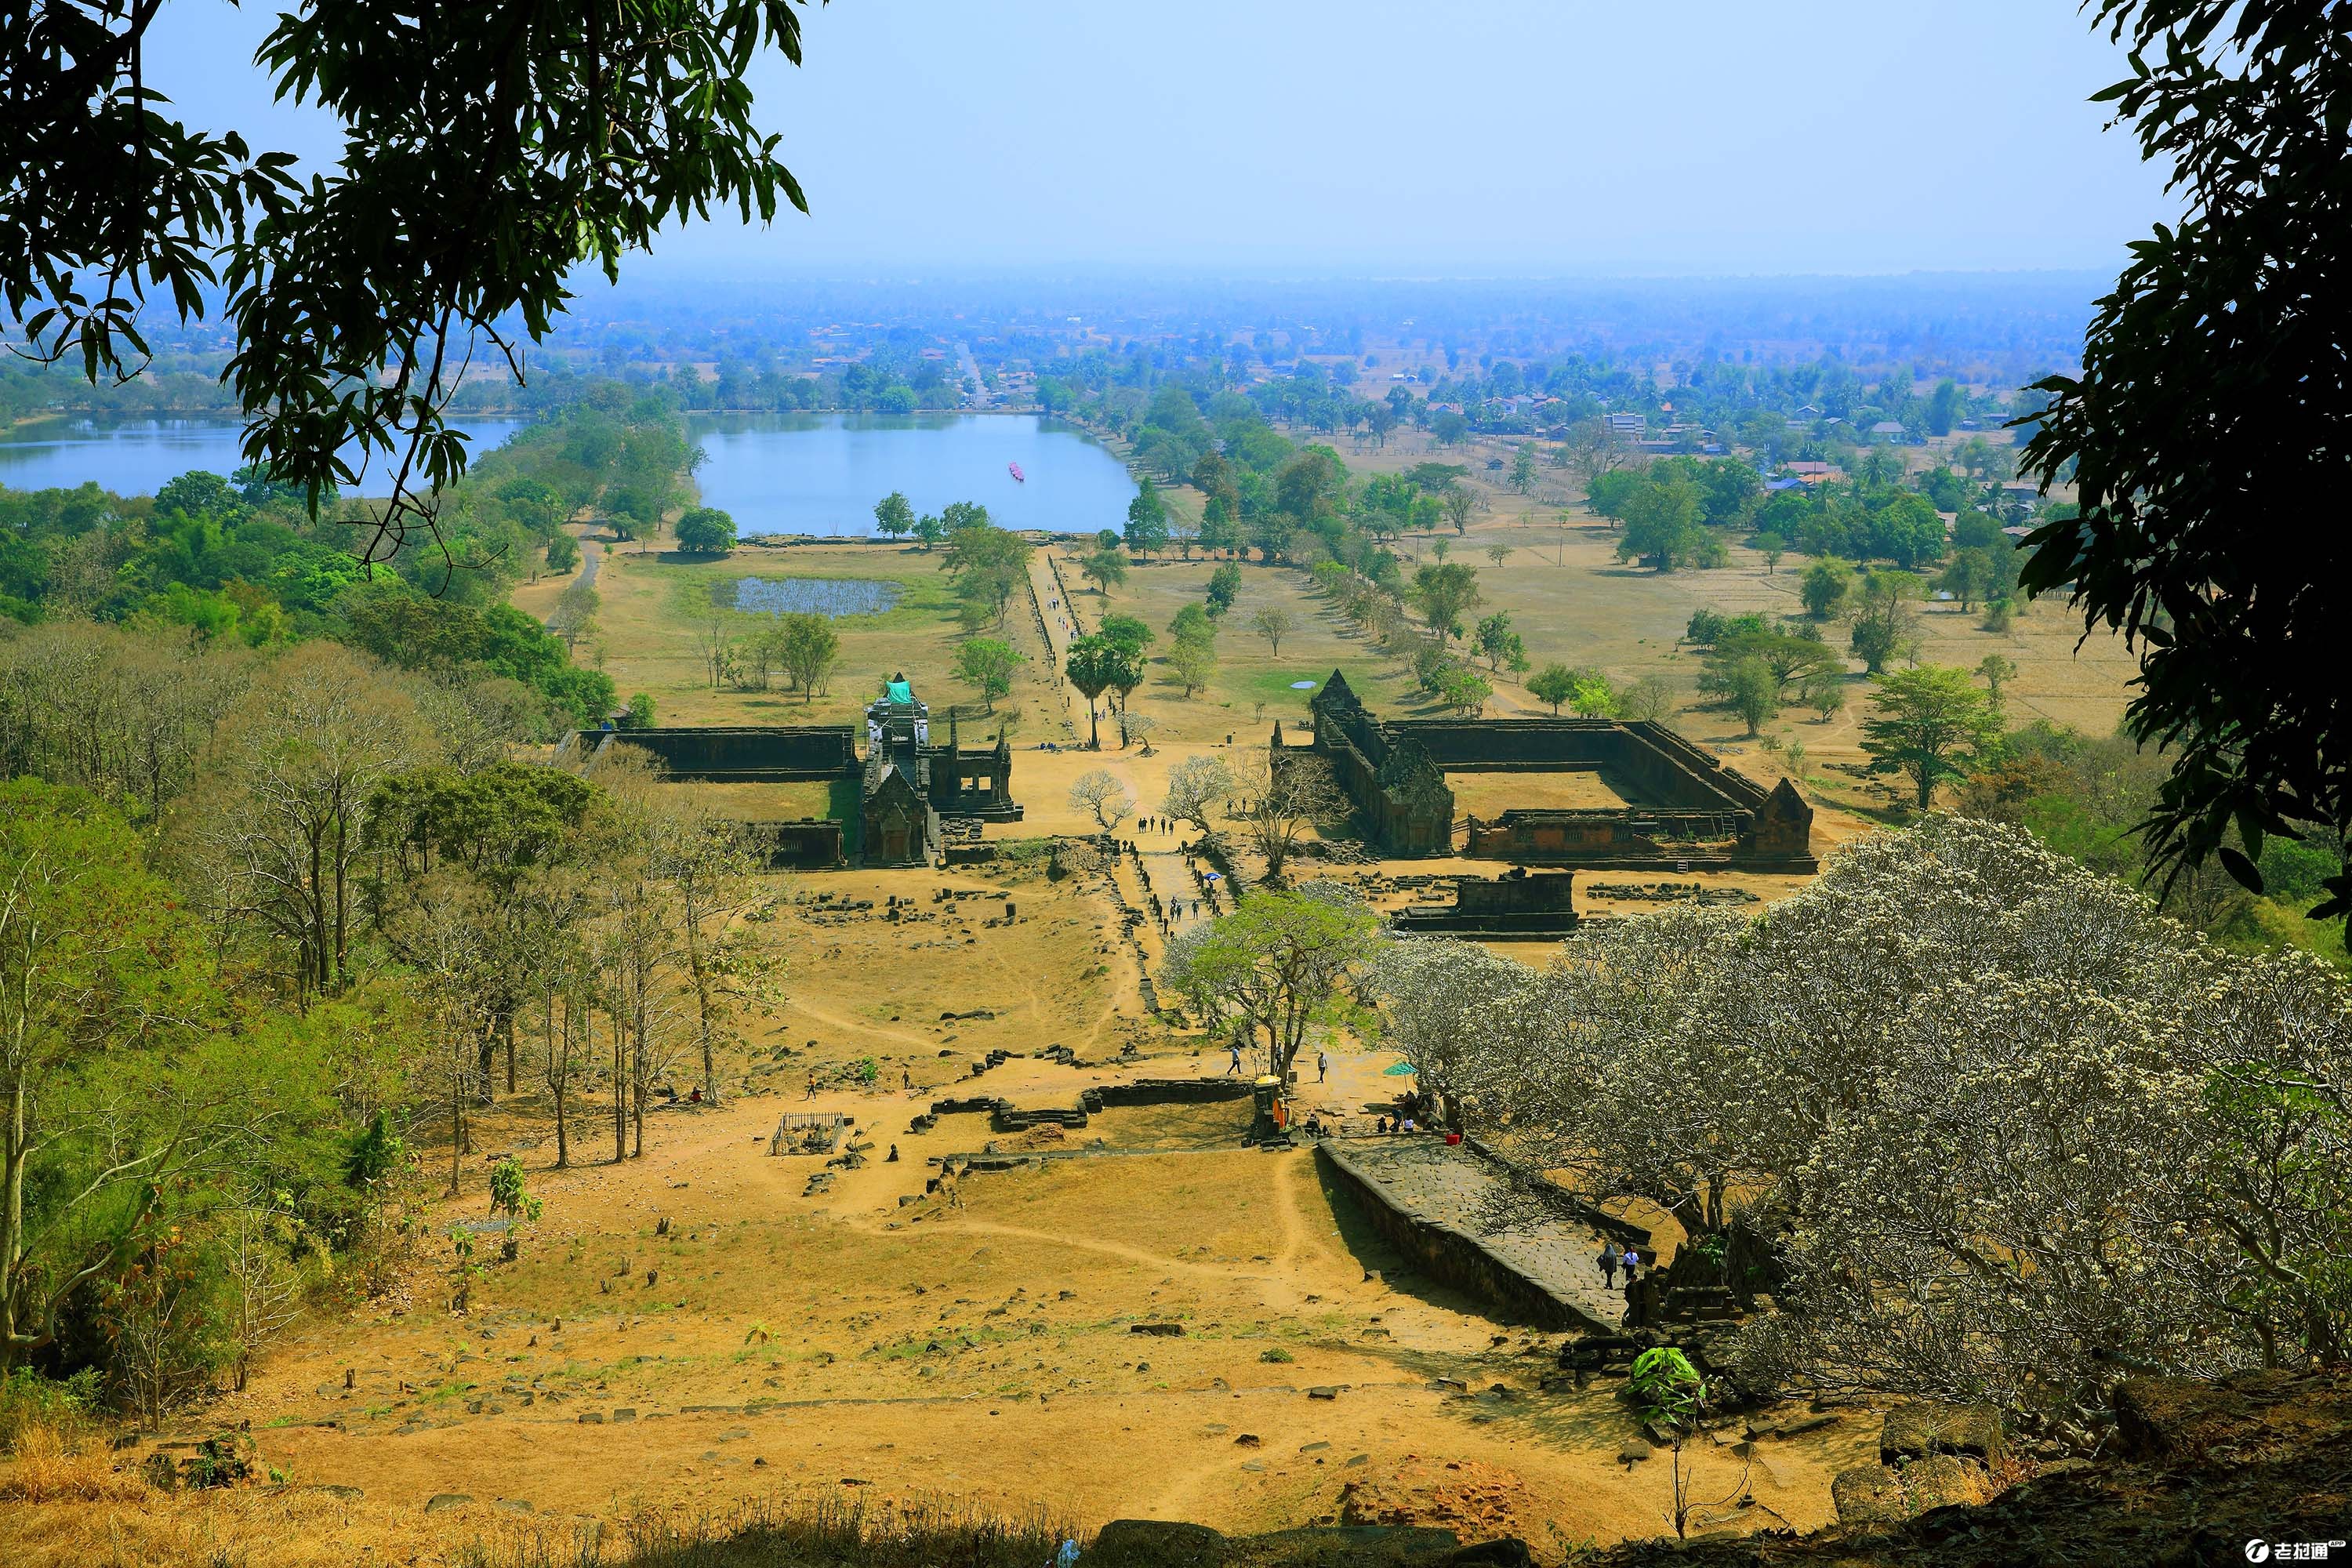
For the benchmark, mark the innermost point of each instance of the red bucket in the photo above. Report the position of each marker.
(1453, 1138)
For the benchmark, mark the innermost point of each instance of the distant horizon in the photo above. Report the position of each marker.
(878, 273)
(1514, 139)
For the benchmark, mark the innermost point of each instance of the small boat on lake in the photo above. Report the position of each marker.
(1018, 477)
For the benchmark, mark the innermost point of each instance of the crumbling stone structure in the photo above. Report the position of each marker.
(1517, 905)
(1695, 812)
(747, 753)
(907, 782)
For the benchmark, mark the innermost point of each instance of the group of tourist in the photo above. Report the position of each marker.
(1175, 911)
(1611, 1260)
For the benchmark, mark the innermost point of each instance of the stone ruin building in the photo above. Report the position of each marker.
(1694, 813)
(914, 792)
(1519, 904)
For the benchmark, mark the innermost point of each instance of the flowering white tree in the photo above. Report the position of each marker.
(2013, 1131)
(1434, 996)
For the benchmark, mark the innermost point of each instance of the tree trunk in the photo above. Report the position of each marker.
(640, 1066)
(342, 899)
(12, 1215)
(456, 1126)
(620, 1090)
(558, 1075)
(700, 969)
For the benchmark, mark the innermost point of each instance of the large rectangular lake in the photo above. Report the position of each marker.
(812, 473)
(822, 473)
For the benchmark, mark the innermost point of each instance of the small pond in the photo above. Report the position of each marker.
(829, 596)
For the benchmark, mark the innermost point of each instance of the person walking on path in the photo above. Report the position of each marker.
(1608, 1261)
(1235, 1065)
(1322, 1065)
(1632, 1260)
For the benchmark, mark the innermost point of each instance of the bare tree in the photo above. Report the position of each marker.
(1196, 786)
(1592, 449)
(1098, 792)
(257, 1241)
(477, 722)
(440, 929)
(552, 907)
(1283, 799)
(574, 615)
(298, 760)
(710, 865)
(121, 715)
(1272, 624)
(714, 639)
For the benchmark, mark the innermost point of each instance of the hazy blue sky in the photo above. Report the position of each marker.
(1449, 137)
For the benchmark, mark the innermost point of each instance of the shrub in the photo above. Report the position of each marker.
(706, 530)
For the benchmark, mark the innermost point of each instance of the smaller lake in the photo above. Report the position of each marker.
(822, 473)
(833, 597)
(137, 456)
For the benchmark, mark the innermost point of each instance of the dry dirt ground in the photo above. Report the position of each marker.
(986, 1349)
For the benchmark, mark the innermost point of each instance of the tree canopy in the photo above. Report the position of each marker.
(2212, 400)
(1275, 966)
(559, 135)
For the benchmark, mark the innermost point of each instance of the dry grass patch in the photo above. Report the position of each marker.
(46, 1466)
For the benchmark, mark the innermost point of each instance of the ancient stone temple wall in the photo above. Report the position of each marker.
(747, 753)
(1694, 809)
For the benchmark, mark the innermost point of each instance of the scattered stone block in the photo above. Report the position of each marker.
(1884, 1494)
(1868, 1494)
(440, 1503)
(1917, 1430)
(1945, 1480)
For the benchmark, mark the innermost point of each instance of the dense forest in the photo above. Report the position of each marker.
(278, 889)
(275, 912)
